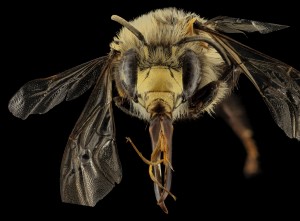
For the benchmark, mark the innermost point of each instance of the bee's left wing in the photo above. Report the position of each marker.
(277, 82)
(236, 25)
(90, 166)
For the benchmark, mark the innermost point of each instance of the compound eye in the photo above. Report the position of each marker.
(129, 68)
(191, 73)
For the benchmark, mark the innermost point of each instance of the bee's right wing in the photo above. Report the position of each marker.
(40, 95)
(90, 166)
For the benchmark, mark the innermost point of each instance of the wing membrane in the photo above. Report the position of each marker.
(40, 95)
(90, 166)
(277, 82)
(237, 25)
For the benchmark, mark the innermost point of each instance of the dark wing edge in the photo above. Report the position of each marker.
(40, 95)
(90, 165)
(277, 82)
(236, 25)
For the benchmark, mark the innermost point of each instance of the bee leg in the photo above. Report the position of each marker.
(232, 111)
(125, 105)
(203, 97)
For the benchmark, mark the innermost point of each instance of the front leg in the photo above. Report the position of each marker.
(234, 114)
(203, 97)
(125, 105)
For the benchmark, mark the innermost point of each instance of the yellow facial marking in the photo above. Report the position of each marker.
(159, 85)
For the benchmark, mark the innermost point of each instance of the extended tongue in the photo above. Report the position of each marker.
(161, 132)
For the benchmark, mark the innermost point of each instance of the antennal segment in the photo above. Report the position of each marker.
(127, 25)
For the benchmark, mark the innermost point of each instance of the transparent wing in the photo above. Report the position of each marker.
(277, 82)
(237, 25)
(40, 95)
(90, 166)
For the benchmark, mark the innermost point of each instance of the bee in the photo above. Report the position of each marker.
(163, 66)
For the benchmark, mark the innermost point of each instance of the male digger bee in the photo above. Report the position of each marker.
(163, 66)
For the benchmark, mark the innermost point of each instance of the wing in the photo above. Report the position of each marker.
(237, 25)
(90, 166)
(40, 95)
(277, 82)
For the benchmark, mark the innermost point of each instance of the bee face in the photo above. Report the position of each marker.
(150, 83)
(157, 87)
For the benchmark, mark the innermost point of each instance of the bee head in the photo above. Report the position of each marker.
(159, 78)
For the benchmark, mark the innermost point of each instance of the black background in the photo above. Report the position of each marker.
(43, 39)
